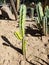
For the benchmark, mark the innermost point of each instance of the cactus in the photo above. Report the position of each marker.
(21, 34)
(32, 12)
(39, 12)
(17, 4)
(45, 25)
(46, 20)
(2, 1)
(43, 20)
(46, 11)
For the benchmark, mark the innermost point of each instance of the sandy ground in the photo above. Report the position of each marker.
(10, 47)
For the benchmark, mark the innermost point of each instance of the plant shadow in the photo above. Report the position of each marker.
(9, 44)
(30, 62)
(34, 32)
(34, 63)
(42, 61)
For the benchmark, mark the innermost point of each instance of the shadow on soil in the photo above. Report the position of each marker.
(5, 17)
(9, 44)
(20, 51)
(35, 33)
(30, 62)
(41, 63)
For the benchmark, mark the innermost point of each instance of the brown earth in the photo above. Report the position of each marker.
(10, 47)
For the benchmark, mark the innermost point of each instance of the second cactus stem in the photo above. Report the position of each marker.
(24, 48)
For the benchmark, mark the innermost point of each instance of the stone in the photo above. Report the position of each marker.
(6, 11)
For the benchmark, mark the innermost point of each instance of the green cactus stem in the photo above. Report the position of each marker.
(39, 12)
(45, 25)
(46, 20)
(21, 34)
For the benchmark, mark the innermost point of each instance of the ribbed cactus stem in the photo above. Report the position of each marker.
(39, 12)
(24, 47)
(17, 4)
(45, 25)
(22, 19)
(47, 17)
(22, 27)
(21, 34)
(32, 12)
